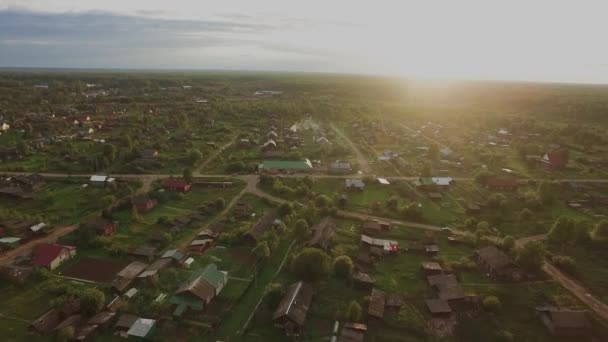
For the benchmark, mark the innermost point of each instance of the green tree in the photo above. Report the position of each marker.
(508, 242)
(531, 256)
(323, 201)
(274, 292)
(343, 266)
(353, 312)
(600, 231)
(220, 203)
(565, 263)
(65, 334)
(194, 155)
(302, 229)
(497, 200)
(109, 152)
(91, 301)
(262, 250)
(311, 264)
(285, 209)
(23, 147)
(546, 192)
(187, 174)
(562, 232)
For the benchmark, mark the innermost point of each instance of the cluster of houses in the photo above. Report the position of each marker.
(14, 232)
(21, 187)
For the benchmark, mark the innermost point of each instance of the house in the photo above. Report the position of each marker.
(472, 208)
(435, 196)
(126, 276)
(124, 323)
(142, 328)
(377, 300)
(431, 249)
(175, 256)
(71, 321)
(199, 246)
(242, 209)
(198, 292)
(438, 280)
(46, 323)
(352, 332)
(556, 159)
(286, 166)
(207, 234)
(153, 269)
(144, 203)
(102, 226)
(291, 312)
(52, 256)
(497, 264)
(176, 185)
(394, 301)
(144, 251)
(495, 183)
(102, 319)
(375, 226)
(340, 167)
(387, 246)
(354, 184)
(565, 322)
(244, 142)
(363, 280)
(85, 332)
(38, 228)
(438, 307)
(323, 233)
(263, 225)
(430, 267)
(100, 180)
(343, 200)
(269, 145)
(433, 184)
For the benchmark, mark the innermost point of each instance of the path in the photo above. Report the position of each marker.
(580, 292)
(363, 164)
(213, 156)
(8, 256)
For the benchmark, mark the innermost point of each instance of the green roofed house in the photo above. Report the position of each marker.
(199, 290)
(274, 166)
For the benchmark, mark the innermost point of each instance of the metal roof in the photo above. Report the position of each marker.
(141, 327)
(287, 165)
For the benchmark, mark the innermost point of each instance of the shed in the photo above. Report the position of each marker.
(323, 233)
(377, 301)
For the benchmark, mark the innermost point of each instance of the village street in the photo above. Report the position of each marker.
(251, 180)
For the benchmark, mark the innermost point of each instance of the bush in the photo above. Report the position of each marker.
(343, 266)
(564, 263)
(302, 229)
(504, 336)
(531, 256)
(492, 304)
(353, 312)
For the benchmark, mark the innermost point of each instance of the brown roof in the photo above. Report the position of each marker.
(47, 322)
(132, 270)
(431, 266)
(363, 278)
(323, 233)
(85, 332)
(71, 321)
(377, 301)
(102, 317)
(295, 303)
(450, 292)
(494, 257)
(394, 300)
(125, 321)
(565, 318)
(438, 306)
(144, 250)
(199, 288)
(351, 335)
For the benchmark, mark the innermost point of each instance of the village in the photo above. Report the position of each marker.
(182, 210)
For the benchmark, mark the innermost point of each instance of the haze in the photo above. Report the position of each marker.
(517, 40)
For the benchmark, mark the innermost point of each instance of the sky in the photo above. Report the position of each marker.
(531, 40)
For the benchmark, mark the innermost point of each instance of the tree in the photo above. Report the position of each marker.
(311, 264)
(497, 200)
(353, 312)
(562, 232)
(343, 266)
(504, 336)
(274, 292)
(508, 242)
(285, 209)
(23, 147)
(483, 228)
(492, 304)
(85, 237)
(564, 263)
(302, 229)
(433, 152)
(91, 301)
(483, 176)
(135, 217)
(323, 201)
(531, 256)
(262, 250)
(392, 203)
(65, 334)
(187, 174)
(600, 231)
(109, 152)
(194, 155)
(525, 214)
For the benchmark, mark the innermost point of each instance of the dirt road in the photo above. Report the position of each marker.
(7, 257)
(213, 156)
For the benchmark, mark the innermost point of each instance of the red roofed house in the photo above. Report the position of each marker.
(144, 204)
(52, 256)
(556, 159)
(176, 185)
